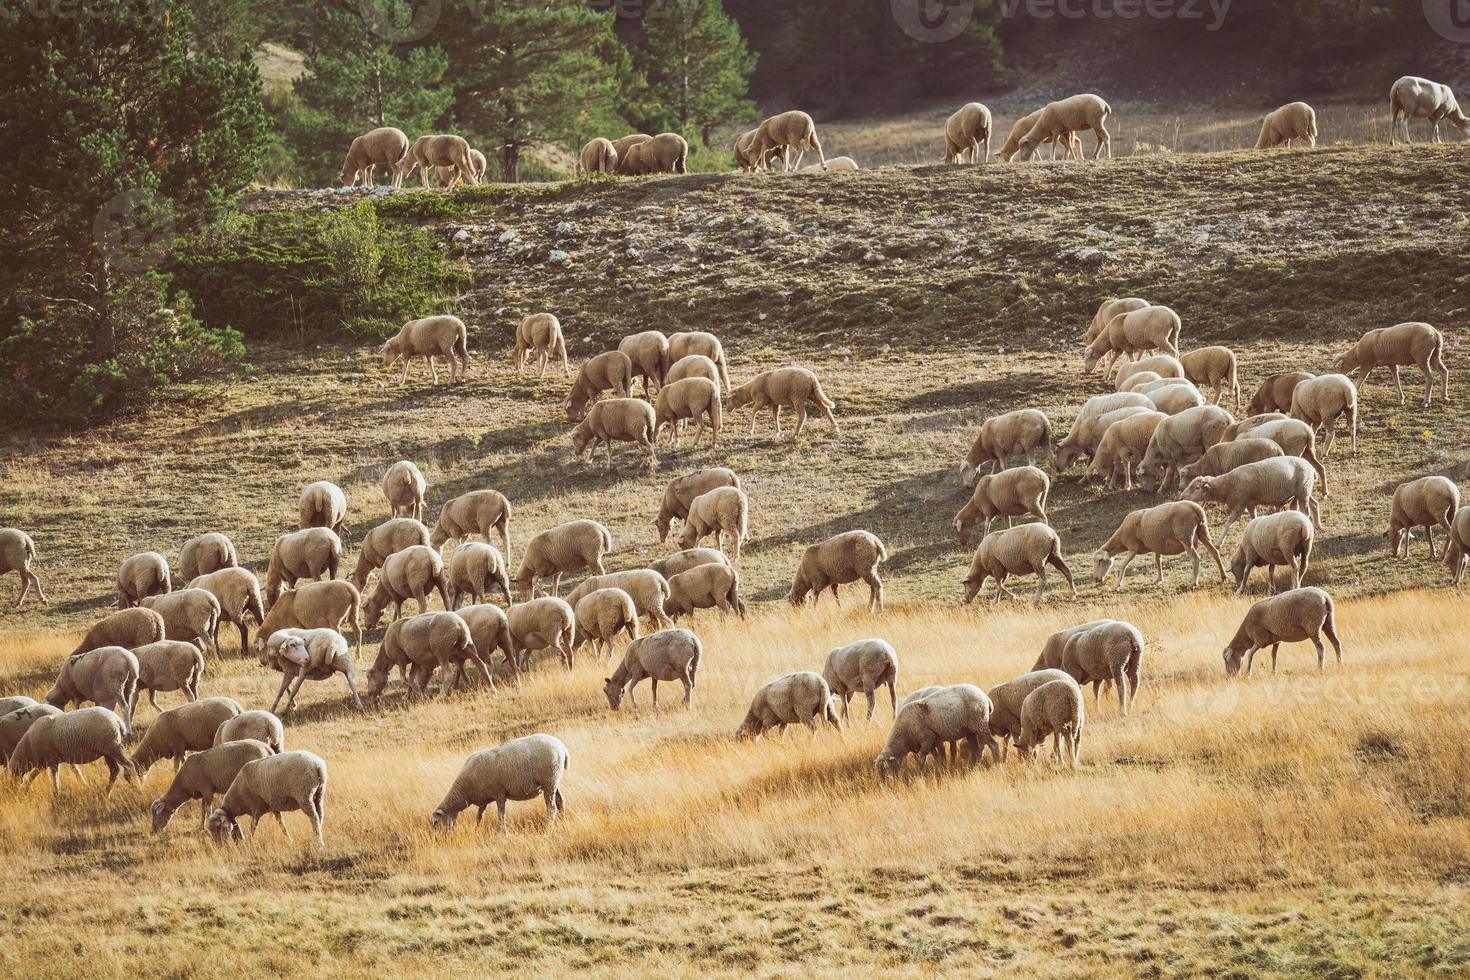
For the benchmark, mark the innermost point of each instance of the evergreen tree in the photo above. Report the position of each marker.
(697, 65)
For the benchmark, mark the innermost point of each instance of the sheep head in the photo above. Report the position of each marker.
(162, 813)
(223, 827)
(887, 765)
(1232, 658)
(581, 437)
(739, 398)
(973, 586)
(799, 590)
(294, 651)
(688, 536)
(1102, 564)
(1198, 490)
(614, 692)
(442, 819)
(392, 351)
(749, 728)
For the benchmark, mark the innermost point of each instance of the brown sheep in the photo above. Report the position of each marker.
(708, 586)
(387, 539)
(428, 152)
(315, 605)
(1014, 433)
(598, 156)
(129, 628)
(847, 557)
(691, 398)
(17, 551)
(1216, 367)
(968, 132)
(1274, 394)
(649, 354)
(380, 147)
(1009, 494)
(608, 371)
(430, 337)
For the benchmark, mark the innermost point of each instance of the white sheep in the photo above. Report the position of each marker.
(801, 698)
(72, 738)
(722, 512)
(1023, 550)
(597, 156)
(1458, 547)
(954, 714)
(275, 784)
(1164, 365)
(1109, 309)
(1059, 120)
(1007, 700)
(567, 547)
(141, 575)
(789, 387)
(205, 775)
(477, 512)
(326, 605)
(1293, 121)
(312, 553)
(1278, 482)
(1397, 346)
(403, 487)
(17, 552)
(691, 342)
(168, 665)
(520, 769)
(539, 333)
(1290, 617)
(617, 420)
(190, 727)
(1009, 494)
(681, 491)
(303, 655)
(107, 676)
(1321, 401)
(863, 667)
(1177, 527)
(1427, 502)
(1123, 446)
(1419, 98)
(547, 623)
(476, 570)
(379, 147)
(256, 725)
(669, 655)
(1107, 652)
(189, 614)
(1149, 329)
(1054, 709)
(705, 586)
(601, 615)
(1087, 432)
(786, 131)
(206, 553)
(323, 504)
(1181, 439)
(443, 336)
(1214, 366)
(648, 352)
(1021, 432)
(608, 371)
(967, 132)
(1284, 538)
(850, 556)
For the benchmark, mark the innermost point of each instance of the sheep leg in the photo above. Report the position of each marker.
(56, 779)
(1429, 536)
(1234, 516)
(285, 683)
(800, 418)
(776, 412)
(875, 590)
(1321, 653)
(1123, 570)
(1394, 369)
(872, 702)
(1040, 584)
(1274, 648)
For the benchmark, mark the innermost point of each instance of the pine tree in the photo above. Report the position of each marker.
(697, 64)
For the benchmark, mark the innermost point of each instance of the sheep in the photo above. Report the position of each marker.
(1274, 394)
(187, 728)
(1181, 439)
(1284, 538)
(1014, 433)
(608, 371)
(206, 553)
(17, 552)
(1168, 529)
(257, 725)
(378, 147)
(415, 573)
(691, 398)
(308, 655)
(862, 667)
(1149, 383)
(1164, 365)
(834, 165)
(789, 387)
(1072, 146)
(1020, 550)
(648, 352)
(708, 586)
(1106, 652)
(323, 504)
(15, 703)
(568, 547)
(786, 131)
(1248, 426)
(1173, 397)
(238, 593)
(1425, 502)
(597, 156)
(621, 144)
(307, 554)
(683, 561)
(515, 770)
(539, 333)
(1138, 379)
(953, 714)
(1065, 117)
(129, 628)
(1294, 436)
(1223, 457)
(1149, 329)
(141, 575)
(421, 645)
(601, 615)
(1054, 709)
(316, 605)
(648, 589)
(1102, 404)
(722, 511)
(1008, 699)
(547, 623)
(476, 569)
(1393, 347)
(743, 159)
(666, 153)
(1108, 309)
(403, 488)
(168, 665)
(490, 631)
(800, 698)
(1123, 445)
(1321, 401)
(443, 336)
(1009, 494)
(444, 176)
(72, 738)
(1288, 617)
(106, 676)
(692, 366)
(1419, 98)
(617, 420)
(1087, 434)
(189, 614)
(689, 342)
(1268, 483)
(967, 132)
(16, 721)
(1214, 366)
(1293, 121)
(397, 533)
(669, 655)
(436, 151)
(846, 557)
(275, 784)
(205, 775)
(680, 492)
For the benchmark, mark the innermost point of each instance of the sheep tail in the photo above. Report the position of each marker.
(606, 538)
(882, 551)
(821, 397)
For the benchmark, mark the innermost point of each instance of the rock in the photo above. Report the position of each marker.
(559, 257)
(507, 236)
(461, 236)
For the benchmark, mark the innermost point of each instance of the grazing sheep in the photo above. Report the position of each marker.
(683, 561)
(850, 556)
(1058, 120)
(257, 725)
(1123, 446)
(189, 614)
(275, 784)
(444, 176)
(786, 131)
(428, 152)
(1069, 143)
(308, 655)
(692, 366)
(1293, 121)
(1181, 439)
(205, 775)
(515, 770)
(597, 156)
(956, 713)
(420, 646)
(1172, 528)
(1321, 401)
(649, 354)
(801, 698)
(1023, 550)
(789, 387)
(187, 728)
(308, 554)
(381, 147)
(476, 569)
(1020, 432)
(1107, 652)
(648, 589)
(1393, 347)
(666, 153)
(1009, 494)
(168, 665)
(743, 158)
(1054, 709)
(1087, 435)
(1214, 366)
(1294, 436)
(323, 504)
(1164, 365)
(238, 593)
(128, 628)
(862, 667)
(707, 586)
(15, 703)
(968, 132)
(1149, 329)
(1274, 394)
(397, 533)
(1425, 502)
(601, 615)
(692, 398)
(1419, 98)
(681, 491)
(608, 371)
(490, 631)
(567, 547)
(16, 721)
(1458, 547)
(1249, 426)
(1109, 309)
(669, 655)
(1136, 380)
(1290, 617)
(617, 420)
(316, 605)
(547, 623)
(1284, 538)
(106, 676)
(403, 488)
(204, 554)
(1223, 457)
(414, 573)
(17, 551)
(72, 738)
(621, 144)
(443, 336)
(541, 333)
(1173, 396)
(141, 575)
(1008, 699)
(1102, 404)
(1269, 483)
(691, 342)
(721, 511)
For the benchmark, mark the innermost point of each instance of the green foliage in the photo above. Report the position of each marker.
(696, 65)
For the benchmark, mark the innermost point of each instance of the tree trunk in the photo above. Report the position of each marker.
(510, 163)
